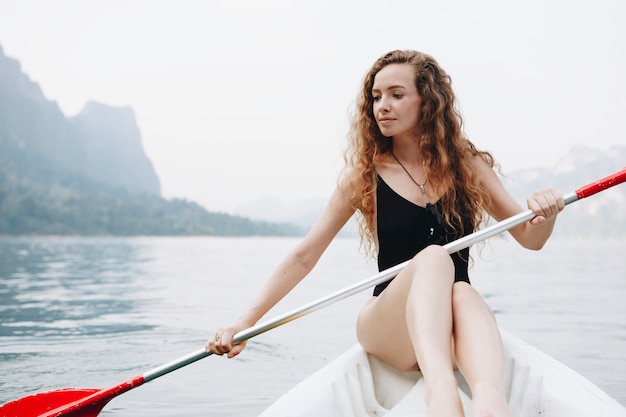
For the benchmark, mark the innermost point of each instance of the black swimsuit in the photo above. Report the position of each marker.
(405, 228)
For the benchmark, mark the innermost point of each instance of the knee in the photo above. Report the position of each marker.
(432, 262)
(465, 297)
(435, 256)
(461, 294)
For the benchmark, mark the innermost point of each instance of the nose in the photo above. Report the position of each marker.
(383, 105)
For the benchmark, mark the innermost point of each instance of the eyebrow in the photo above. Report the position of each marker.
(390, 87)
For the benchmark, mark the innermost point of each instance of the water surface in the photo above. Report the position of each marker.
(93, 312)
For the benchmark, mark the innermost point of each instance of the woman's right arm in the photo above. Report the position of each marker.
(294, 267)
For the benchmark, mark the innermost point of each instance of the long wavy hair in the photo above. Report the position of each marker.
(447, 153)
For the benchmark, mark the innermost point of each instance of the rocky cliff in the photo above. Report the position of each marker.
(37, 141)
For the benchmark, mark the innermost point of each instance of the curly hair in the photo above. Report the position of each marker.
(447, 153)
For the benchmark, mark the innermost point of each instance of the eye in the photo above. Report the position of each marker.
(397, 95)
(376, 98)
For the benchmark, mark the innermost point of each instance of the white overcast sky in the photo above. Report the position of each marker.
(242, 99)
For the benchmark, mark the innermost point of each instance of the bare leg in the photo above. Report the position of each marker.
(411, 323)
(429, 321)
(478, 349)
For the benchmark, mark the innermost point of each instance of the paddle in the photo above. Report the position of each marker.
(72, 402)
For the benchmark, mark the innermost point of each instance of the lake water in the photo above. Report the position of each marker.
(93, 312)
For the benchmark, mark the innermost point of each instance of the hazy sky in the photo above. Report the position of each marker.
(242, 99)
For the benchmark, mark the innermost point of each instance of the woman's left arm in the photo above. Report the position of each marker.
(546, 204)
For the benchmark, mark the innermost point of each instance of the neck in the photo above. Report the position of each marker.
(408, 139)
(407, 151)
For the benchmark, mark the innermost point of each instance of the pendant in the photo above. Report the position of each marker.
(423, 188)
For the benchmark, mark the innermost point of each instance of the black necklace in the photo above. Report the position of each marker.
(422, 186)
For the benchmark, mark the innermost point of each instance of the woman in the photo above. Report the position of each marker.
(416, 182)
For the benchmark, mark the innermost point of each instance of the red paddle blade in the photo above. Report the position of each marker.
(67, 402)
(42, 403)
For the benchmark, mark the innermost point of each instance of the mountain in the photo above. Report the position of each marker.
(102, 143)
(89, 174)
(112, 151)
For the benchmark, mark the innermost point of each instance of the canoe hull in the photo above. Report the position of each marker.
(357, 384)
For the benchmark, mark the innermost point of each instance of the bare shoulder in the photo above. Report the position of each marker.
(502, 203)
(484, 171)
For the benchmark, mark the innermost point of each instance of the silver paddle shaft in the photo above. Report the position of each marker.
(332, 298)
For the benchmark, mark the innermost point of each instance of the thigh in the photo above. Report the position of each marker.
(382, 324)
(382, 328)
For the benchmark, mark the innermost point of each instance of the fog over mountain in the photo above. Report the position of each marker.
(89, 174)
(601, 215)
(101, 143)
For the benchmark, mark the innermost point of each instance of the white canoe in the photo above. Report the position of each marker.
(358, 385)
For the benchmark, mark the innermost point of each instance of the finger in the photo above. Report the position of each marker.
(236, 350)
(212, 348)
(543, 203)
(537, 220)
(554, 202)
(226, 340)
(535, 204)
(223, 341)
(215, 345)
(546, 203)
(560, 201)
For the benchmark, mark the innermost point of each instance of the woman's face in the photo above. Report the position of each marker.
(396, 100)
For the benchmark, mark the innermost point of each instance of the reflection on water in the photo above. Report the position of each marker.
(61, 286)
